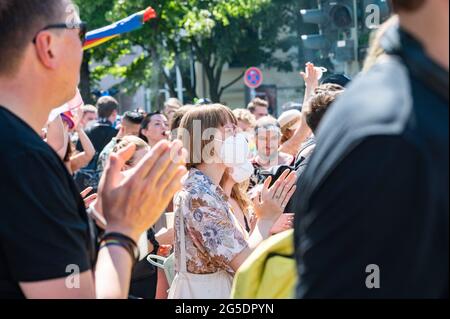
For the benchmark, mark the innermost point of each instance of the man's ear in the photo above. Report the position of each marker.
(44, 50)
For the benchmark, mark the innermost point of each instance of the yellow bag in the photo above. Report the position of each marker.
(270, 272)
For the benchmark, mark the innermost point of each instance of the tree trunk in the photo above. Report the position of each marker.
(213, 84)
(85, 80)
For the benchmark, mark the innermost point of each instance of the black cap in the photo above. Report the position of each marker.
(340, 79)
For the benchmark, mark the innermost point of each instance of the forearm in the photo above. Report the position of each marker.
(86, 143)
(79, 161)
(56, 137)
(114, 266)
(113, 273)
(309, 91)
(260, 233)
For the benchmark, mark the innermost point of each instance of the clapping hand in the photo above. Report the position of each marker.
(272, 201)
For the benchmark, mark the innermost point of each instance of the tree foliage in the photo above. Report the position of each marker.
(214, 33)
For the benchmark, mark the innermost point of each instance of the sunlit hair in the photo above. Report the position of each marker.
(245, 116)
(267, 123)
(318, 105)
(287, 132)
(173, 103)
(257, 102)
(239, 194)
(128, 140)
(195, 123)
(178, 116)
(376, 50)
(88, 108)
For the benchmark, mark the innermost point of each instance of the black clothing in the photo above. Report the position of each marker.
(100, 135)
(376, 189)
(44, 228)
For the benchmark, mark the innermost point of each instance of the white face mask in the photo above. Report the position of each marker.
(242, 172)
(234, 154)
(234, 151)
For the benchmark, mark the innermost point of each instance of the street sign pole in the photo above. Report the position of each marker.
(252, 94)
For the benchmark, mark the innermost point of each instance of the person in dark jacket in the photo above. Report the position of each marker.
(374, 214)
(103, 131)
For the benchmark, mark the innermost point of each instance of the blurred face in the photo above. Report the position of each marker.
(260, 112)
(156, 129)
(244, 126)
(87, 118)
(268, 142)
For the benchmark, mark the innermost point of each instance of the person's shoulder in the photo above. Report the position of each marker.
(377, 105)
(199, 195)
(378, 102)
(194, 197)
(102, 129)
(39, 159)
(19, 144)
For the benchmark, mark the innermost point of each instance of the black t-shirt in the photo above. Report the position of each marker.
(373, 205)
(100, 135)
(44, 228)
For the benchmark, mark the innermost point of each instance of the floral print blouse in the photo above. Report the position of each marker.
(213, 235)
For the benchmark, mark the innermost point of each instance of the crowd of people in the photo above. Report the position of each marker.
(359, 168)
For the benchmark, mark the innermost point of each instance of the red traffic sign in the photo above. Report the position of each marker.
(253, 78)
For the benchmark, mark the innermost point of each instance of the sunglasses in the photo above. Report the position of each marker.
(82, 26)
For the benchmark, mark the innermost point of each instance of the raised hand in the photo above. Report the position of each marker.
(272, 201)
(311, 76)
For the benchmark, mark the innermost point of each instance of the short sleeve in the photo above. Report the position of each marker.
(214, 232)
(43, 233)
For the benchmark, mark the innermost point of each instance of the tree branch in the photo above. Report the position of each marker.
(223, 88)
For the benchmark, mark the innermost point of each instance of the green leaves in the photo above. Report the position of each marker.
(213, 32)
